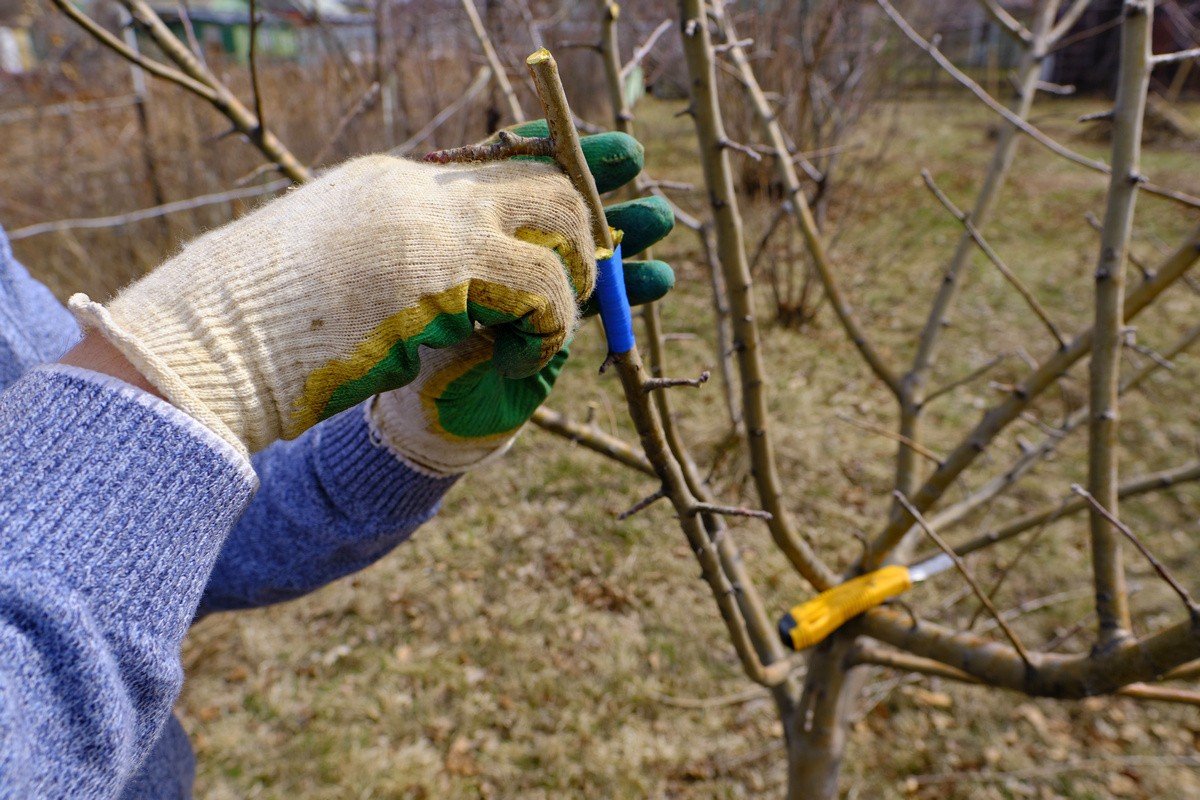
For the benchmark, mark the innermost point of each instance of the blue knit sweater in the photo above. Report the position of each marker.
(121, 520)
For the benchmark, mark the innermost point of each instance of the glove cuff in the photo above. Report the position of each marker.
(398, 422)
(176, 388)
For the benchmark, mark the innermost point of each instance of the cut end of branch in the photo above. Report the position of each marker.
(538, 57)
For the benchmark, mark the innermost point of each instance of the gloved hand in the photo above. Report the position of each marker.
(462, 411)
(332, 293)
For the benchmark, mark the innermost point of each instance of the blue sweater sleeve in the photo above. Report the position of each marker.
(113, 508)
(332, 502)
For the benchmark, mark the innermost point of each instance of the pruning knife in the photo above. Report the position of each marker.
(810, 622)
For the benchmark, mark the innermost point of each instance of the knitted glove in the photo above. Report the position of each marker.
(461, 411)
(333, 292)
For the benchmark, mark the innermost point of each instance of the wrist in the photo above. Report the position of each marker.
(98, 355)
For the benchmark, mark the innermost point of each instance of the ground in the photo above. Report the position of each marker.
(526, 644)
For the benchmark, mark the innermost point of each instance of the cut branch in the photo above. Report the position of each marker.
(630, 369)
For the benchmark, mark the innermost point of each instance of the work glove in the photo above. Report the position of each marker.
(462, 410)
(332, 293)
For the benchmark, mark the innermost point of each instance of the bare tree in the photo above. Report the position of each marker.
(814, 692)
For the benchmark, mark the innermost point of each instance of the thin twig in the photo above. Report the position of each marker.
(1068, 19)
(478, 83)
(642, 504)
(729, 511)
(915, 446)
(1161, 694)
(592, 438)
(155, 68)
(640, 52)
(252, 58)
(708, 702)
(965, 219)
(506, 145)
(744, 149)
(1006, 20)
(1171, 58)
(364, 104)
(1158, 566)
(973, 375)
(966, 574)
(1134, 487)
(152, 212)
(1092, 765)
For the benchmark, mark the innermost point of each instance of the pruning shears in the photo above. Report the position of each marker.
(810, 622)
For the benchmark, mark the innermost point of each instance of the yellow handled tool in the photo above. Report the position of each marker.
(810, 622)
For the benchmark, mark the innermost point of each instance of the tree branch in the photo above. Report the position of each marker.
(1044, 375)
(592, 438)
(1112, 605)
(966, 574)
(1191, 605)
(155, 68)
(1006, 20)
(799, 206)
(993, 256)
(697, 46)
(1029, 130)
(489, 52)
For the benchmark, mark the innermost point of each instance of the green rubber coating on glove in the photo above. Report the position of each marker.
(522, 354)
(482, 402)
(614, 158)
(644, 221)
(645, 282)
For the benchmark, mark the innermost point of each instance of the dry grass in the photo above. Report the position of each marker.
(525, 644)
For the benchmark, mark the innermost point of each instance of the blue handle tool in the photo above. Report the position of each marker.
(614, 303)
